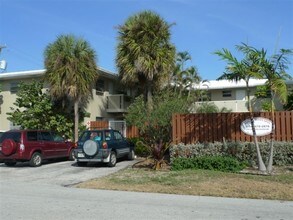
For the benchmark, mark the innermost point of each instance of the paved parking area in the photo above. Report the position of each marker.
(64, 173)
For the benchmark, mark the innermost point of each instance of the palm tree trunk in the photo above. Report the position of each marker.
(271, 157)
(149, 96)
(261, 165)
(76, 118)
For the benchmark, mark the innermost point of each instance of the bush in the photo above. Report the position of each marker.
(140, 148)
(224, 164)
(242, 151)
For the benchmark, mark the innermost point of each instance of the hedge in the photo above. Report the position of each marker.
(242, 151)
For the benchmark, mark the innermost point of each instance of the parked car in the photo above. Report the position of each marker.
(1, 132)
(33, 146)
(102, 145)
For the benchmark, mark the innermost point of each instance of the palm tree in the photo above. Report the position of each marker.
(181, 59)
(145, 56)
(245, 69)
(71, 71)
(192, 78)
(274, 70)
(182, 77)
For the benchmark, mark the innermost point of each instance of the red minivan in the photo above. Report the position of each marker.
(33, 146)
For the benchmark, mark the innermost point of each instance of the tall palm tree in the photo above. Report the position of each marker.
(182, 77)
(192, 78)
(274, 70)
(245, 69)
(178, 76)
(145, 56)
(71, 71)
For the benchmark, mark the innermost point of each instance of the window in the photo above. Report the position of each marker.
(57, 137)
(99, 118)
(100, 86)
(108, 135)
(46, 136)
(227, 93)
(32, 136)
(117, 136)
(11, 135)
(14, 87)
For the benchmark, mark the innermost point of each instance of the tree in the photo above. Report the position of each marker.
(255, 64)
(34, 110)
(71, 71)
(155, 126)
(245, 69)
(289, 105)
(145, 57)
(184, 77)
(274, 70)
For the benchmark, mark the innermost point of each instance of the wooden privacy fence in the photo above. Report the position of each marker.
(131, 131)
(204, 127)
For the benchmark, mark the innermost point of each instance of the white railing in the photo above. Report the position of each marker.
(234, 105)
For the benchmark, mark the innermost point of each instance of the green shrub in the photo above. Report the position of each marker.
(224, 164)
(140, 148)
(242, 151)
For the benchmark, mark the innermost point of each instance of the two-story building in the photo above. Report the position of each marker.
(108, 103)
(232, 94)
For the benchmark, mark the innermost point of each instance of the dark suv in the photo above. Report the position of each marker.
(33, 146)
(103, 145)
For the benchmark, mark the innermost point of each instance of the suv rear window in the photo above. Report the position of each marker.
(93, 135)
(11, 135)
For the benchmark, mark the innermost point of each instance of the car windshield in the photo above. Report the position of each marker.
(10, 135)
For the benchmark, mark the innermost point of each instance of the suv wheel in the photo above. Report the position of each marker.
(10, 163)
(113, 159)
(36, 160)
(131, 155)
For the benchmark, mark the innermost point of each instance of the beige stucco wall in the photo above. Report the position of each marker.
(239, 104)
(96, 106)
(8, 100)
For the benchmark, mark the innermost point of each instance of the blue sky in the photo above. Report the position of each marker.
(201, 27)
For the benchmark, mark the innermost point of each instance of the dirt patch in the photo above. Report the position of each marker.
(148, 164)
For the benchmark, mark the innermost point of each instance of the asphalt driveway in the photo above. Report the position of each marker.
(63, 173)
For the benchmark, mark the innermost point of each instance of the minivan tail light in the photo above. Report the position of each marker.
(105, 145)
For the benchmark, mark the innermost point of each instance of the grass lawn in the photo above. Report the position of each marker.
(199, 182)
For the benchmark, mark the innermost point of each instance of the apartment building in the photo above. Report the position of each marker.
(109, 101)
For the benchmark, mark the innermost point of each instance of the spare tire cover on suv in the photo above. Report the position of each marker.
(90, 148)
(8, 147)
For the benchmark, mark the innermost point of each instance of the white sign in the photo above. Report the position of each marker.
(263, 126)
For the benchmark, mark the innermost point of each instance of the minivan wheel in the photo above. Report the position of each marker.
(36, 160)
(71, 155)
(113, 159)
(10, 163)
